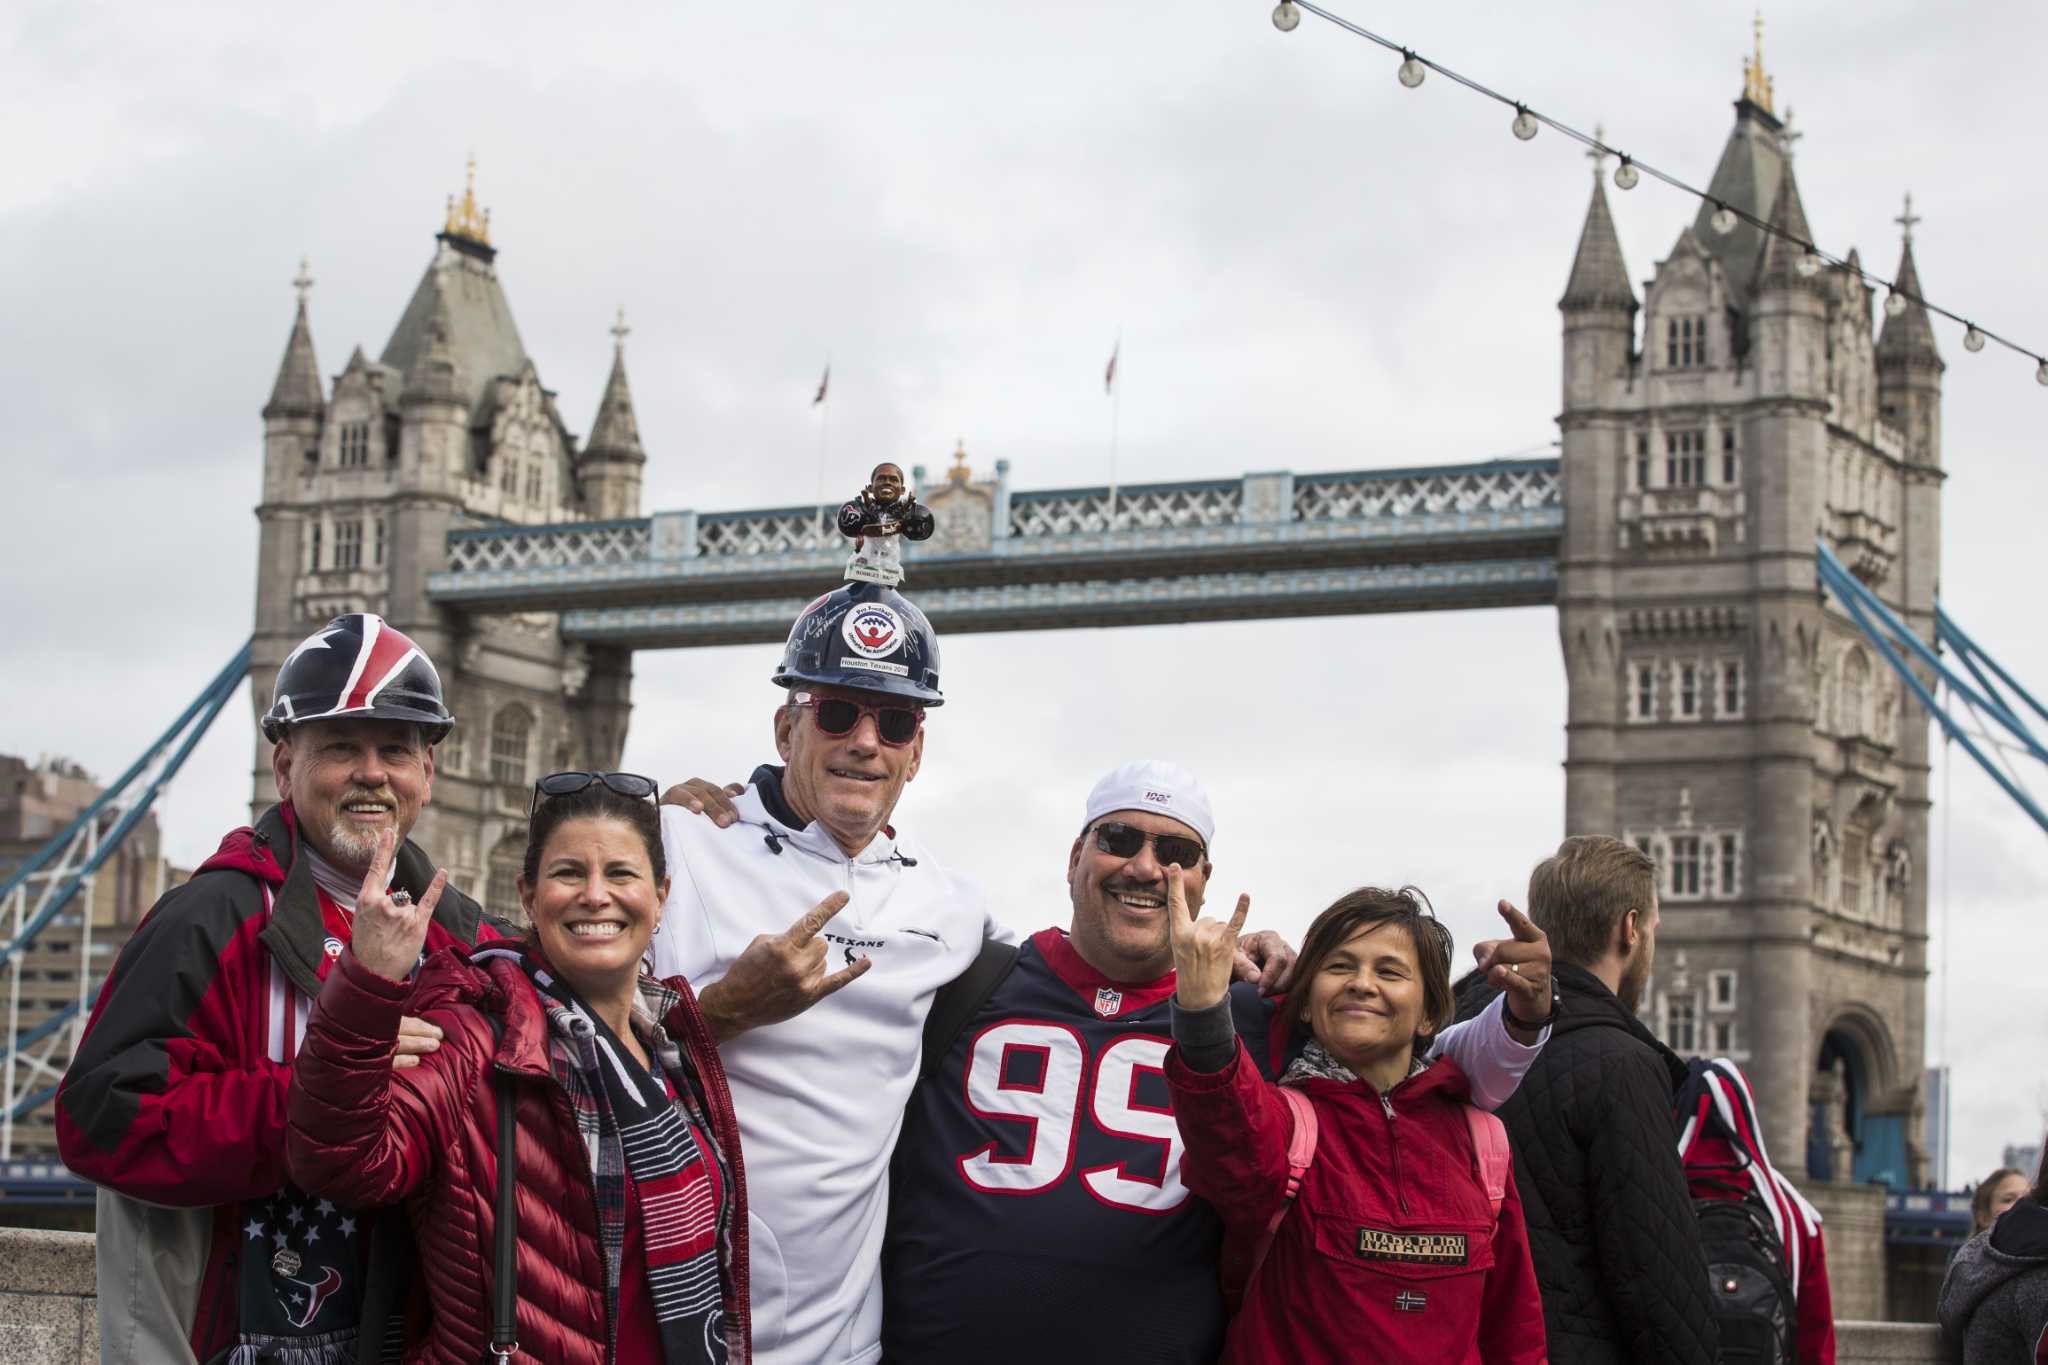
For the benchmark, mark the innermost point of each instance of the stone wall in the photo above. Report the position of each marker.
(1852, 1222)
(48, 1315)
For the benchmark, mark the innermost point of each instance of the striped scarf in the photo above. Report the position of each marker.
(1317, 1062)
(631, 1128)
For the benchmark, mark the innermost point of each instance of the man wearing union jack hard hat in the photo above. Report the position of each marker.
(175, 1101)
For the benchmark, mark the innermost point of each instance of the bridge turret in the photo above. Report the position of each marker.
(1599, 307)
(610, 466)
(298, 403)
(1909, 368)
(1788, 317)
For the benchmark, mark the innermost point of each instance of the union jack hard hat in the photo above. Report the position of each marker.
(356, 665)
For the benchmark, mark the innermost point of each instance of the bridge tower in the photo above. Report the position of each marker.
(1722, 715)
(449, 428)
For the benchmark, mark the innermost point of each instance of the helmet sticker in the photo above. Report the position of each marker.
(872, 631)
(876, 666)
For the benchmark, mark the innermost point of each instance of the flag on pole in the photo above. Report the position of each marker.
(1109, 375)
(824, 383)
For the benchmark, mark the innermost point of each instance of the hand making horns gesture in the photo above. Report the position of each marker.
(779, 976)
(1204, 950)
(389, 931)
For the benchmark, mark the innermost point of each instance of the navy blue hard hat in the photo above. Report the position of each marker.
(358, 666)
(868, 637)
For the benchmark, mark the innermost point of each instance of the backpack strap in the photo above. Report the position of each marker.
(960, 999)
(1301, 1154)
(1490, 1154)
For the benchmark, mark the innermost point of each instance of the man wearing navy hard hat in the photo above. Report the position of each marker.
(174, 1103)
(820, 1094)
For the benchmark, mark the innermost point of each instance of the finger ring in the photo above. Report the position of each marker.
(1514, 967)
(401, 897)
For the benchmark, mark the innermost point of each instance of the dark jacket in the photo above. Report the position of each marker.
(366, 1135)
(1611, 1226)
(1994, 1300)
(176, 1096)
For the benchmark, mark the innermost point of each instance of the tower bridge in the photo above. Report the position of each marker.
(1273, 544)
(1725, 713)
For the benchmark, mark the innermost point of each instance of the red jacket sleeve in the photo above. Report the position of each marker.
(159, 1103)
(359, 1132)
(1511, 1314)
(1816, 1318)
(1234, 1132)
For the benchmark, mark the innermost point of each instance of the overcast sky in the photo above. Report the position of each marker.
(963, 206)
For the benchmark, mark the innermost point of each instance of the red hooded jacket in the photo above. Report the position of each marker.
(176, 1095)
(364, 1135)
(1392, 1252)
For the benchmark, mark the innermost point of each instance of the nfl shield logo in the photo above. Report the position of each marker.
(1108, 1002)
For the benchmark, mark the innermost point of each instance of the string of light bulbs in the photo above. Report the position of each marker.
(1629, 170)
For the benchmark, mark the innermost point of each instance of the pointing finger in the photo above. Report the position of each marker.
(379, 874)
(842, 977)
(817, 917)
(1520, 924)
(433, 894)
(1177, 915)
(1244, 905)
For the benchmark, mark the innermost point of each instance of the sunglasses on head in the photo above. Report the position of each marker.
(1119, 840)
(568, 784)
(836, 716)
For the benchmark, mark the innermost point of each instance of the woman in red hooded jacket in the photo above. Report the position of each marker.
(1393, 1249)
(631, 1234)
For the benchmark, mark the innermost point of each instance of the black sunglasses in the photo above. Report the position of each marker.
(568, 784)
(836, 716)
(1119, 840)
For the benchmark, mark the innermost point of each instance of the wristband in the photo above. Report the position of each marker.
(1534, 1025)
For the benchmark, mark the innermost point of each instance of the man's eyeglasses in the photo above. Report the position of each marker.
(1119, 840)
(836, 716)
(568, 784)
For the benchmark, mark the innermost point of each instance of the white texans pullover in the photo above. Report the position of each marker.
(820, 1097)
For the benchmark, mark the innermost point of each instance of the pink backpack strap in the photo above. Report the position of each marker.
(1490, 1154)
(1301, 1154)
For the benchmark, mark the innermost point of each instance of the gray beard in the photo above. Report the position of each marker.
(346, 849)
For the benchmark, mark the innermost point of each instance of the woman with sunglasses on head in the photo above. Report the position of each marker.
(629, 1237)
(1375, 1207)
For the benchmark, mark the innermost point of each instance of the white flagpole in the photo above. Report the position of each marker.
(824, 405)
(1116, 401)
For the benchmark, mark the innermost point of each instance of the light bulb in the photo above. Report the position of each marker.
(1412, 71)
(1723, 220)
(1625, 176)
(1973, 340)
(1894, 304)
(1285, 16)
(2041, 374)
(1809, 265)
(1525, 123)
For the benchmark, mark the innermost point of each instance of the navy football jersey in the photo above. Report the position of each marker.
(1036, 1211)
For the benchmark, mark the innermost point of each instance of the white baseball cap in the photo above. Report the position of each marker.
(1153, 784)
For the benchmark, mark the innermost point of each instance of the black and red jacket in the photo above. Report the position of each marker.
(176, 1095)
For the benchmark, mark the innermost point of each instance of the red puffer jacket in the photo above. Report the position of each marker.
(363, 1135)
(1392, 1252)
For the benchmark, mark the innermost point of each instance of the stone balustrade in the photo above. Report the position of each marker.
(48, 1315)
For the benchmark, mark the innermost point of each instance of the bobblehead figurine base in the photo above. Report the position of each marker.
(875, 518)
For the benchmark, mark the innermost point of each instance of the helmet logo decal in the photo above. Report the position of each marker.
(872, 631)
